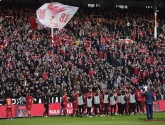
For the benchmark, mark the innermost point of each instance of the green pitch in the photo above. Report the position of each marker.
(68, 120)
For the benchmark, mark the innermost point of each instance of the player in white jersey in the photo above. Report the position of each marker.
(89, 104)
(132, 102)
(106, 102)
(112, 100)
(80, 104)
(123, 103)
(96, 102)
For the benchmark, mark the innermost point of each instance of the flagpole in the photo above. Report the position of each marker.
(52, 32)
(155, 20)
(155, 26)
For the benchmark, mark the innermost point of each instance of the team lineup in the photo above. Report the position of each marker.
(104, 103)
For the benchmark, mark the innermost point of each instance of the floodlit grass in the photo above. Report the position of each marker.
(108, 120)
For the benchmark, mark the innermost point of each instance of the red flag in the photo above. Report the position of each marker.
(134, 80)
(44, 76)
(33, 23)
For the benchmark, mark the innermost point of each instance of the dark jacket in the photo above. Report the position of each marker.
(45, 99)
(149, 97)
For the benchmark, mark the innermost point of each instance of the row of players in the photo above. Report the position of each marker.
(127, 101)
(8, 102)
(130, 101)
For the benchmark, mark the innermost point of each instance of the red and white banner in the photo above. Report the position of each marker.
(55, 15)
(36, 110)
(125, 40)
(161, 106)
(54, 109)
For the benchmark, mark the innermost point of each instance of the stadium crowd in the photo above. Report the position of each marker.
(87, 53)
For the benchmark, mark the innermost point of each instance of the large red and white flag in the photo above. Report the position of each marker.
(55, 15)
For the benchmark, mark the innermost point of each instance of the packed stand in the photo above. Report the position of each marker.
(86, 53)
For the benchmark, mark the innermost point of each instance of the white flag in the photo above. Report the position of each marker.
(55, 15)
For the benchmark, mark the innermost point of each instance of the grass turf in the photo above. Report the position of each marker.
(108, 120)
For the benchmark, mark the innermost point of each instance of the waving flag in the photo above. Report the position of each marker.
(35, 24)
(55, 15)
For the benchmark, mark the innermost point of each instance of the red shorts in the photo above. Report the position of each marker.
(143, 103)
(128, 104)
(75, 105)
(65, 105)
(8, 109)
(102, 105)
(28, 108)
(109, 109)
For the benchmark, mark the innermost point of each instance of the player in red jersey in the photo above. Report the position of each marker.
(75, 103)
(91, 92)
(8, 102)
(109, 108)
(65, 102)
(138, 95)
(143, 104)
(102, 101)
(85, 101)
(29, 102)
(127, 100)
(115, 95)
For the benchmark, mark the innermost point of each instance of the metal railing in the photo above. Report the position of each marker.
(119, 72)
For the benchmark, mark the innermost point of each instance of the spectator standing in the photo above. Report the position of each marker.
(149, 97)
